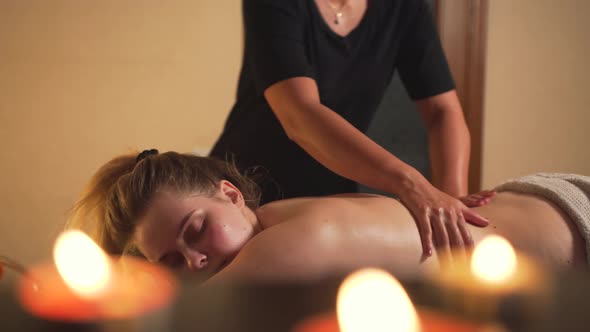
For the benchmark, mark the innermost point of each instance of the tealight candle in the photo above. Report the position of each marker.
(373, 300)
(84, 284)
(496, 276)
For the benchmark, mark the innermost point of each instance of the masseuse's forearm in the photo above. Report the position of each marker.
(449, 141)
(339, 146)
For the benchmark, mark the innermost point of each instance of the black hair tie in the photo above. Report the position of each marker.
(144, 154)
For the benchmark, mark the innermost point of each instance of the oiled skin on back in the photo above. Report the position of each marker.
(310, 238)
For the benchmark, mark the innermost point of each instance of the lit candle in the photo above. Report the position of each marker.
(86, 285)
(373, 300)
(494, 261)
(497, 279)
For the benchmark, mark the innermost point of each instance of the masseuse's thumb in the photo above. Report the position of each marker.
(475, 219)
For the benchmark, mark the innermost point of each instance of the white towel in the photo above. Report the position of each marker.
(571, 192)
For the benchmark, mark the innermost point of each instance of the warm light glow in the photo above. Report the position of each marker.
(494, 260)
(81, 263)
(373, 300)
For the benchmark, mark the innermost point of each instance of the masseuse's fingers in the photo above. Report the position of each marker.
(472, 200)
(465, 233)
(452, 225)
(423, 223)
(487, 193)
(439, 221)
(478, 199)
(461, 240)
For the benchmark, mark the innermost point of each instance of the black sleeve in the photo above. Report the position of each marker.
(421, 62)
(274, 37)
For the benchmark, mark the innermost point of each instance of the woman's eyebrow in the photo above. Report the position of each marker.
(183, 221)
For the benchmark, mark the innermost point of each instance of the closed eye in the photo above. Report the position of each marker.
(193, 233)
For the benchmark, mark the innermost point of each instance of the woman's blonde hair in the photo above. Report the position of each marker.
(118, 193)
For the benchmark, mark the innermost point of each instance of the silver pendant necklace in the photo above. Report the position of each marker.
(337, 11)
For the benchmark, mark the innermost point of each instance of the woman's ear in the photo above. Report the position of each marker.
(230, 191)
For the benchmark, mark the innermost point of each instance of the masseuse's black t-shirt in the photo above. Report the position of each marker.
(289, 38)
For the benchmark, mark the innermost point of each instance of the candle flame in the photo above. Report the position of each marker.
(373, 300)
(494, 260)
(81, 263)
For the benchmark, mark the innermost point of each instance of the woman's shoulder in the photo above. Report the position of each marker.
(276, 212)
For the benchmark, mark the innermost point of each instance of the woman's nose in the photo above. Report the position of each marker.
(196, 260)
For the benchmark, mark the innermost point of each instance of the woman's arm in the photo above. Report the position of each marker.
(332, 140)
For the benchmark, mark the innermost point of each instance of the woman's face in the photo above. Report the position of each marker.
(194, 232)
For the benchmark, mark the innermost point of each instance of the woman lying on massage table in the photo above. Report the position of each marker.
(198, 214)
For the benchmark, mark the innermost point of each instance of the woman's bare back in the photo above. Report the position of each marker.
(308, 238)
(531, 223)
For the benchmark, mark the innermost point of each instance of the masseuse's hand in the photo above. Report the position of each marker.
(478, 199)
(441, 219)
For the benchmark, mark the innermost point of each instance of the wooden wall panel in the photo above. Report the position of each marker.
(462, 27)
